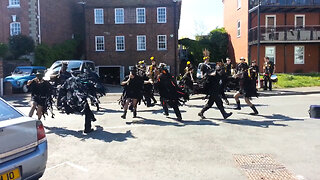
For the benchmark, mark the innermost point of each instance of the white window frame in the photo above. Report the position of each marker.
(137, 15)
(96, 44)
(115, 16)
(158, 43)
(299, 15)
(15, 30)
(124, 43)
(165, 14)
(274, 54)
(238, 4)
(11, 4)
(238, 29)
(96, 16)
(275, 21)
(145, 43)
(295, 55)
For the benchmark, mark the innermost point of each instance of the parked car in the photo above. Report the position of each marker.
(73, 65)
(23, 145)
(21, 75)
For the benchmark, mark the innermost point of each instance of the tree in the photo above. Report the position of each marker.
(20, 45)
(3, 50)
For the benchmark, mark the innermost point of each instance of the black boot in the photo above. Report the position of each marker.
(255, 111)
(134, 113)
(201, 114)
(238, 106)
(124, 115)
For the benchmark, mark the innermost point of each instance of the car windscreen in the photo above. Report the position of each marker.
(7, 112)
(22, 71)
(73, 66)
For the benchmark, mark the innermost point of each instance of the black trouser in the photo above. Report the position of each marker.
(172, 103)
(214, 98)
(266, 79)
(89, 116)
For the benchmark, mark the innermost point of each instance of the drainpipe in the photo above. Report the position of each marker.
(258, 45)
(175, 36)
(39, 24)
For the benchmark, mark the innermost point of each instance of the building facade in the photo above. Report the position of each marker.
(286, 31)
(45, 21)
(121, 33)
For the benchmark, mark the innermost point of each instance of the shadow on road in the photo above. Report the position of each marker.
(265, 123)
(176, 123)
(18, 100)
(98, 134)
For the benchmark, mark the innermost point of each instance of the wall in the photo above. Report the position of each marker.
(130, 30)
(238, 47)
(285, 57)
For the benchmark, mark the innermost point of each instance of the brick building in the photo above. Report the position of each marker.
(119, 33)
(54, 22)
(287, 31)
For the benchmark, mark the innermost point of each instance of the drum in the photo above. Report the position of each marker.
(314, 111)
(274, 78)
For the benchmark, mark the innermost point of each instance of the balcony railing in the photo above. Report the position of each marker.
(286, 3)
(285, 34)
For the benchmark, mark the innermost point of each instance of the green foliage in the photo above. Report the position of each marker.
(216, 42)
(20, 45)
(297, 80)
(3, 50)
(45, 55)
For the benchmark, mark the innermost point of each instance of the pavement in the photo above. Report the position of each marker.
(153, 146)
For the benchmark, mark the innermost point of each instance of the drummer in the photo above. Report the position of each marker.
(268, 69)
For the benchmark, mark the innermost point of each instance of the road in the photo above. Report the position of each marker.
(156, 147)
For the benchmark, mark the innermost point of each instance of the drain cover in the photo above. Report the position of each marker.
(262, 167)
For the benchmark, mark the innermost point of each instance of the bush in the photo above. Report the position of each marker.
(20, 45)
(45, 55)
(3, 50)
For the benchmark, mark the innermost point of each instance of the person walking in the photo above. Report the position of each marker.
(214, 91)
(40, 92)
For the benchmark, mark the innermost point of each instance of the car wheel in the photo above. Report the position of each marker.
(25, 88)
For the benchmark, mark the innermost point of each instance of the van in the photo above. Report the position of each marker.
(73, 65)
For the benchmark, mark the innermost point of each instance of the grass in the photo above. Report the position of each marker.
(297, 80)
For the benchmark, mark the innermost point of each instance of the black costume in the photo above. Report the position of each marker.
(268, 71)
(41, 93)
(75, 92)
(214, 92)
(170, 93)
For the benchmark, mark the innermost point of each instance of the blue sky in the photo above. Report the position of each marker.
(200, 17)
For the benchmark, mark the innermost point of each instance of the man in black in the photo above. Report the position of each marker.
(60, 79)
(228, 67)
(169, 91)
(241, 68)
(268, 71)
(40, 91)
(214, 92)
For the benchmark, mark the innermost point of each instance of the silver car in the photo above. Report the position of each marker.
(23, 145)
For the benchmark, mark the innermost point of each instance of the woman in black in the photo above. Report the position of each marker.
(133, 86)
(248, 88)
(40, 91)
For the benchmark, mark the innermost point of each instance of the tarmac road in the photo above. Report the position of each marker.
(157, 147)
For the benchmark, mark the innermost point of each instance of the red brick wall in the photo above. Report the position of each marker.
(6, 19)
(285, 58)
(130, 56)
(238, 47)
(58, 20)
(310, 19)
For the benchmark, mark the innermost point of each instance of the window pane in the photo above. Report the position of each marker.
(299, 55)
(14, 2)
(162, 42)
(7, 112)
(119, 16)
(15, 29)
(271, 53)
(99, 43)
(98, 14)
(141, 43)
(162, 15)
(120, 43)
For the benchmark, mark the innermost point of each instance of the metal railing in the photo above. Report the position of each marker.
(285, 34)
(289, 3)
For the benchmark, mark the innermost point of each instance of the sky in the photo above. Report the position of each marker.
(199, 17)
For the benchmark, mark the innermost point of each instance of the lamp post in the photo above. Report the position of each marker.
(258, 33)
(175, 28)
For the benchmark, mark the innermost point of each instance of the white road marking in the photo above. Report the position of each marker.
(70, 164)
